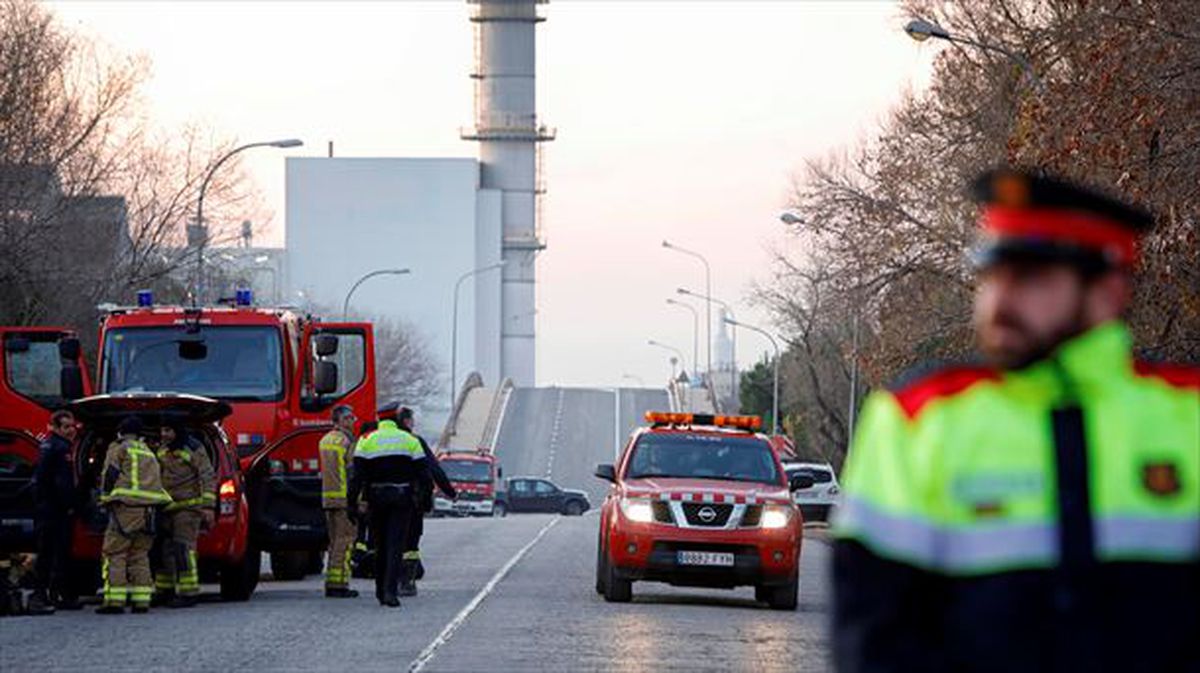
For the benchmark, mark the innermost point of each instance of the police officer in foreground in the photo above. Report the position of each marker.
(54, 498)
(189, 479)
(131, 490)
(337, 455)
(388, 465)
(1040, 513)
(412, 569)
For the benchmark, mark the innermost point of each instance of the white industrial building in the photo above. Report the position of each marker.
(440, 217)
(347, 217)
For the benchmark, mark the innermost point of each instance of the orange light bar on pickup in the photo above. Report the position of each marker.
(669, 418)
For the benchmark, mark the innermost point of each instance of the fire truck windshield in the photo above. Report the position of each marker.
(702, 456)
(473, 471)
(226, 362)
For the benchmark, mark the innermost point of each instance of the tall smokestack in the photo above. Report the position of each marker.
(509, 134)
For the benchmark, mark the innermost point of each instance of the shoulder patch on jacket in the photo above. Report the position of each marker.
(1179, 376)
(916, 392)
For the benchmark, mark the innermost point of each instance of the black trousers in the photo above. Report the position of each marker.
(390, 523)
(416, 528)
(50, 570)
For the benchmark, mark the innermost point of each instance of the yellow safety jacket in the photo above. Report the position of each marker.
(188, 478)
(1040, 519)
(138, 482)
(337, 452)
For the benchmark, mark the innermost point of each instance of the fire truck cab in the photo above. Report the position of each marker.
(474, 476)
(280, 372)
(41, 370)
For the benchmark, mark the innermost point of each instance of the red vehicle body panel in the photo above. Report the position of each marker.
(630, 544)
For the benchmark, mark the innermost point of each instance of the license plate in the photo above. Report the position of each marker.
(704, 558)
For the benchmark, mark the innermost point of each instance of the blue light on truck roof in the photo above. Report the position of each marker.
(244, 297)
(145, 298)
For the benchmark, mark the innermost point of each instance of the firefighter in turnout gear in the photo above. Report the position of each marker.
(388, 465)
(1040, 512)
(337, 454)
(411, 567)
(131, 490)
(188, 477)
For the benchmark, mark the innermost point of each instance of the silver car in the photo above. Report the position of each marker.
(815, 501)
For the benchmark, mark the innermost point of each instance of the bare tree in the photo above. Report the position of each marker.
(406, 369)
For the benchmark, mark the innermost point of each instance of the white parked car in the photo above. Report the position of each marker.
(816, 500)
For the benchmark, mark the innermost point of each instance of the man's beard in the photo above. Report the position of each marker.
(1039, 348)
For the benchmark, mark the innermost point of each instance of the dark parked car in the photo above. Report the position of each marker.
(531, 494)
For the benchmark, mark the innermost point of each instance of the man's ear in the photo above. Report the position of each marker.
(1108, 296)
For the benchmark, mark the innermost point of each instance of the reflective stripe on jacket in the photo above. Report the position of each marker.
(188, 477)
(139, 481)
(337, 452)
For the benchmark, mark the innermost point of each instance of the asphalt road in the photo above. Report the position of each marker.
(543, 614)
(510, 594)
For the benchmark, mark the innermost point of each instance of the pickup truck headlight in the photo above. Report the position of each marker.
(637, 509)
(776, 516)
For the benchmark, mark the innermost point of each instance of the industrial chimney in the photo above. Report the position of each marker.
(509, 136)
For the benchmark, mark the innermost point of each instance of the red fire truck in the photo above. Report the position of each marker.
(280, 372)
(40, 371)
(474, 476)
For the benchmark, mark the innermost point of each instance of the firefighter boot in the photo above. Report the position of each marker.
(39, 604)
(408, 579)
(183, 601)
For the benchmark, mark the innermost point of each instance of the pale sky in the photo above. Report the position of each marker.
(676, 120)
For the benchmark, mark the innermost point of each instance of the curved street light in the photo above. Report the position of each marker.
(707, 304)
(285, 143)
(695, 327)
(921, 30)
(775, 391)
(363, 279)
(674, 350)
(735, 382)
(454, 329)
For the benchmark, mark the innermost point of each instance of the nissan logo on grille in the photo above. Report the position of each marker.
(707, 514)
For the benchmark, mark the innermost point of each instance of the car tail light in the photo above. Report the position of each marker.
(228, 497)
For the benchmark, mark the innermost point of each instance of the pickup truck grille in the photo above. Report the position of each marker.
(709, 515)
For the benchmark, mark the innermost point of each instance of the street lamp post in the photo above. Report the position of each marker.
(733, 374)
(360, 281)
(921, 30)
(775, 391)
(454, 328)
(707, 303)
(695, 328)
(288, 142)
(674, 350)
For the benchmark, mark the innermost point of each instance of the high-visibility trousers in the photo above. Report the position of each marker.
(177, 560)
(126, 555)
(342, 533)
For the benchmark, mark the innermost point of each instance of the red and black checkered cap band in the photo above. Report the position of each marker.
(1116, 242)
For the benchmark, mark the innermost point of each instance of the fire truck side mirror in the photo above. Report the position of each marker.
(68, 349)
(325, 377)
(326, 345)
(499, 472)
(70, 382)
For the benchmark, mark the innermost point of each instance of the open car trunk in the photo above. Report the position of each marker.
(18, 455)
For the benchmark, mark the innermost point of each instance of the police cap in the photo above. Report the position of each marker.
(389, 410)
(1028, 216)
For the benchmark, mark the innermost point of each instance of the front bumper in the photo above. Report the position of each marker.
(762, 557)
(463, 507)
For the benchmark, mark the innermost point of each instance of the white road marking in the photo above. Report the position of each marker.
(427, 654)
(554, 433)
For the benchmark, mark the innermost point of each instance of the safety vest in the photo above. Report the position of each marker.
(390, 440)
(187, 476)
(1087, 456)
(139, 482)
(337, 452)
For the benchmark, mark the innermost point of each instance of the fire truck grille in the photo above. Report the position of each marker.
(468, 495)
(715, 515)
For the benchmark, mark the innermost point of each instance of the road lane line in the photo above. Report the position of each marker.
(427, 654)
